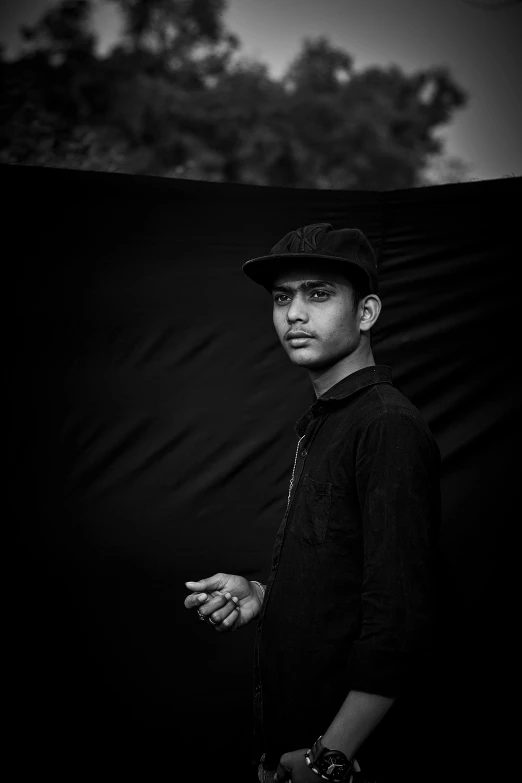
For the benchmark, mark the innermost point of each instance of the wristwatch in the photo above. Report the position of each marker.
(331, 765)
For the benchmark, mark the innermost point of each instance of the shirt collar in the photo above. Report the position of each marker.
(346, 387)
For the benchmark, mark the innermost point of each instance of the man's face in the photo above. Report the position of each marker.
(319, 303)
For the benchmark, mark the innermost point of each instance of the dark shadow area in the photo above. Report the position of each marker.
(152, 411)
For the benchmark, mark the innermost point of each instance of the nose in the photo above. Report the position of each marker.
(296, 311)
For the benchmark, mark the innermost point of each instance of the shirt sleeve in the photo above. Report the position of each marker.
(398, 485)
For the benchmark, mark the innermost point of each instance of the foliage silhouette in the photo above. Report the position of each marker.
(175, 98)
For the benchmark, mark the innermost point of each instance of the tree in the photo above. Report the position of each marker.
(176, 29)
(370, 129)
(45, 92)
(174, 98)
(62, 33)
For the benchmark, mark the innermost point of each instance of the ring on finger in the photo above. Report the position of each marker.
(201, 616)
(211, 621)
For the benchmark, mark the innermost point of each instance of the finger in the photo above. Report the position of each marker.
(228, 622)
(194, 600)
(207, 609)
(197, 599)
(207, 585)
(212, 604)
(219, 615)
(198, 586)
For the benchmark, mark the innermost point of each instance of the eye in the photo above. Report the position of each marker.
(322, 296)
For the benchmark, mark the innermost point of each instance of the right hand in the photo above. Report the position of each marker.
(214, 597)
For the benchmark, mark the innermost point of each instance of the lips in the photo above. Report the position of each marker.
(297, 335)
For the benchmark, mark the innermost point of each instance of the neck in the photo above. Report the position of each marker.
(322, 380)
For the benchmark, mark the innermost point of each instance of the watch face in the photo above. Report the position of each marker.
(334, 764)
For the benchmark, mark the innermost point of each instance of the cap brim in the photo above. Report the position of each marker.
(263, 269)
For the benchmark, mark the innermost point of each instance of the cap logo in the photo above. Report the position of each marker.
(304, 240)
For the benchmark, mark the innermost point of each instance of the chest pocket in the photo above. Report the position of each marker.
(310, 522)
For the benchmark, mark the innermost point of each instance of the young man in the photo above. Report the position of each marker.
(345, 622)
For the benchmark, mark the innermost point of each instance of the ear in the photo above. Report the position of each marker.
(371, 308)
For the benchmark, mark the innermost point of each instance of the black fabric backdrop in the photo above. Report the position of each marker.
(153, 409)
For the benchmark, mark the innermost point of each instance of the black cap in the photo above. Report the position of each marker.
(318, 241)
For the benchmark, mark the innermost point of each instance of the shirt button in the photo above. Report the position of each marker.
(304, 453)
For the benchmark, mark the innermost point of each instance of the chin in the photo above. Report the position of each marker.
(308, 360)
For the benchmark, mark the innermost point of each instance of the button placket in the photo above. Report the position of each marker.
(293, 470)
(258, 697)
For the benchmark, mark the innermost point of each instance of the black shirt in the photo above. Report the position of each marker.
(349, 604)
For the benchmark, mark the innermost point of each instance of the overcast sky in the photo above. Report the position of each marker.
(481, 47)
